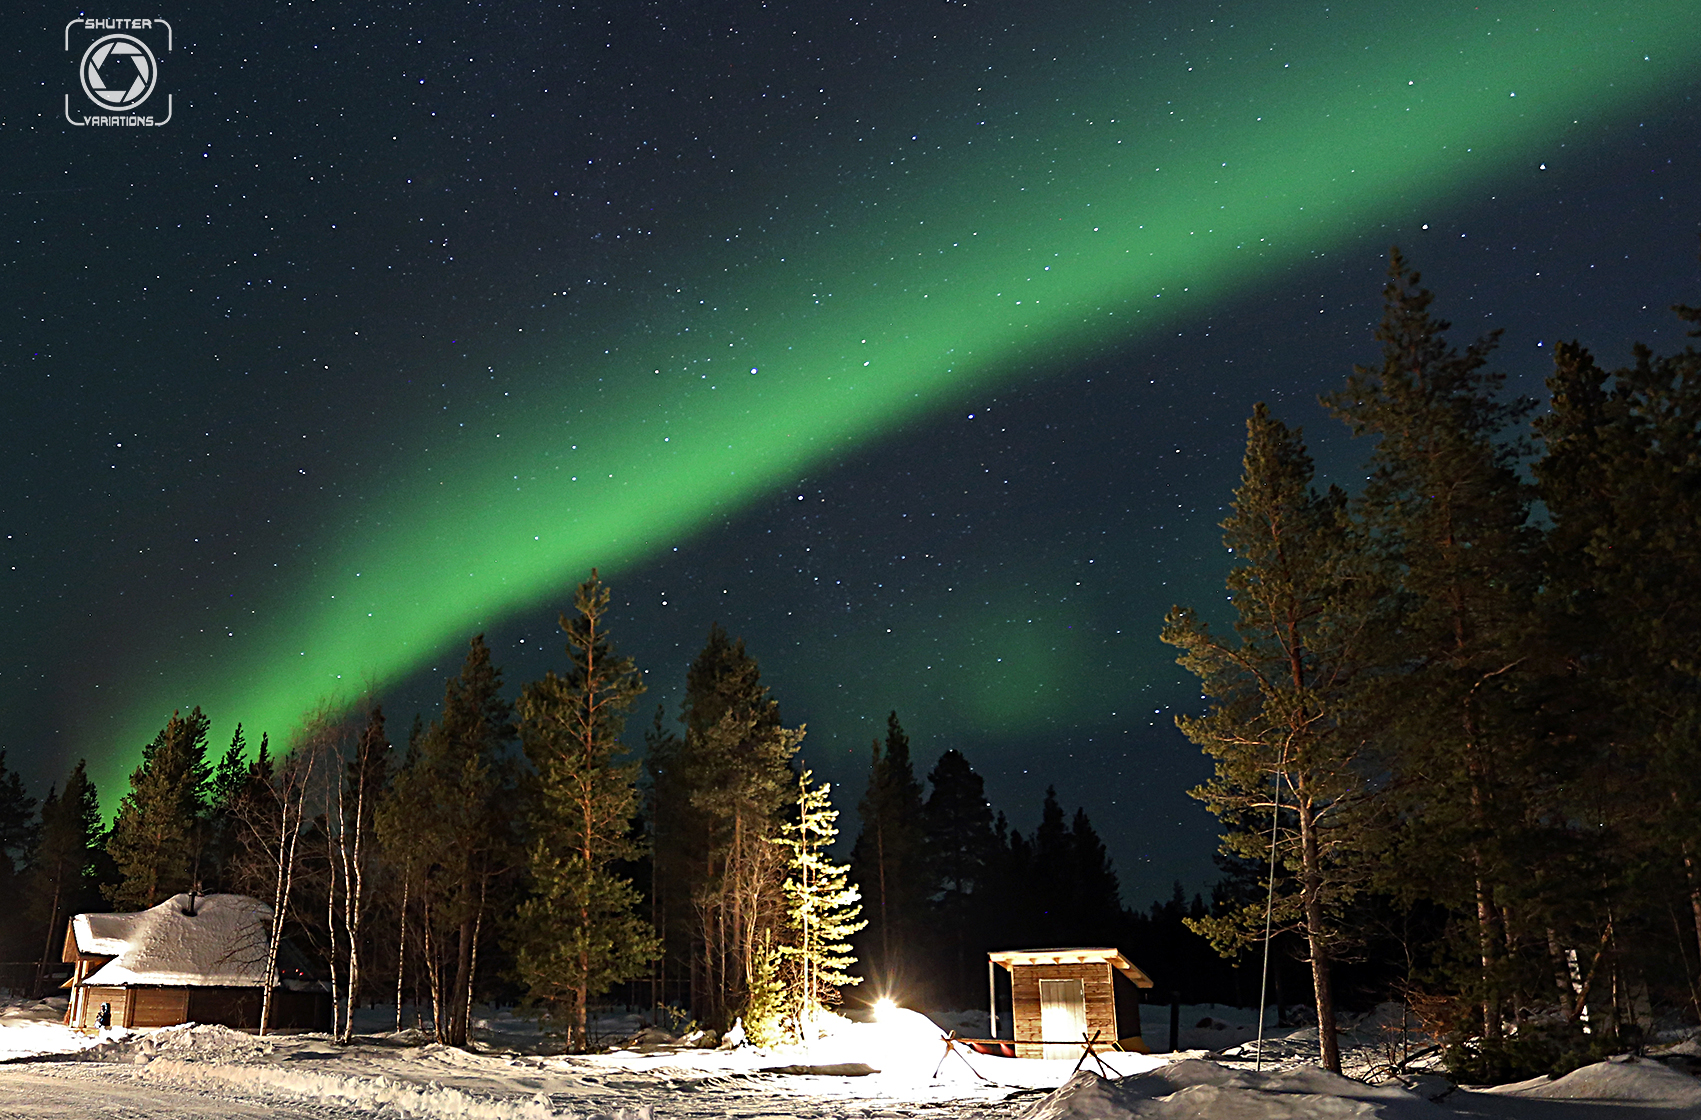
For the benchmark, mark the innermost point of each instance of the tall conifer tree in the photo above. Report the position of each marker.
(451, 807)
(822, 908)
(156, 833)
(60, 879)
(889, 860)
(581, 932)
(1280, 717)
(1446, 515)
(961, 847)
(721, 792)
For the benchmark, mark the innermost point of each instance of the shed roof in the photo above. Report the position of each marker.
(1010, 958)
(209, 940)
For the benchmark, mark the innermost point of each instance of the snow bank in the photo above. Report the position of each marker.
(438, 1102)
(1621, 1079)
(1194, 1088)
(31, 1028)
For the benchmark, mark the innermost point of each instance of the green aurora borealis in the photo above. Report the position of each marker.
(1104, 202)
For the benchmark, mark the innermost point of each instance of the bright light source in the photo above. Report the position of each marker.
(883, 1008)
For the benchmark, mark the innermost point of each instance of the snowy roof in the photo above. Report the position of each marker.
(221, 944)
(1010, 958)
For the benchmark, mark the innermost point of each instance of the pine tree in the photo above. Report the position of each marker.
(1621, 482)
(155, 836)
(1445, 517)
(18, 824)
(60, 879)
(889, 859)
(18, 831)
(1050, 862)
(1096, 895)
(227, 786)
(718, 795)
(450, 809)
(822, 908)
(581, 932)
(960, 848)
(1281, 694)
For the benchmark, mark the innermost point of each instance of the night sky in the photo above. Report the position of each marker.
(911, 341)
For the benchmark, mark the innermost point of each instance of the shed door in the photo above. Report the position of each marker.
(1063, 1018)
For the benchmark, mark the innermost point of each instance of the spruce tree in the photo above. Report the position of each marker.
(18, 824)
(957, 821)
(822, 908)
(18, 831)
(1620, 479)
(889, 860)
(580, 931)
(60, 880)
(1281, 721)
(719, 794)
(155, 836)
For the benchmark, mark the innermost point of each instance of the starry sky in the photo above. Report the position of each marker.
(912, 342)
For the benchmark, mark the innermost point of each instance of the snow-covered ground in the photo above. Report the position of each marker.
(897, 1069)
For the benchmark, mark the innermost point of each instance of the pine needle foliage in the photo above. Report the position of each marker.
(822, 907)
(155, 834)
(1279, 724)
(581, 932)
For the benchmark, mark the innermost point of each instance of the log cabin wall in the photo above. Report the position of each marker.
(92, 998)
(1096, 987)
(158, 1007)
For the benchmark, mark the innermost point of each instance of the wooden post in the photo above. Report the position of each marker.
(1174, 1021)
(992, 994)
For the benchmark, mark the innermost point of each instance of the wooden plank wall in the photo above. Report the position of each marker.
(1096, 980)
(94, 997)
(158, 1007)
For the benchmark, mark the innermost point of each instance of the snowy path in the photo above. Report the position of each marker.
(350, 1084)
(85, 1092)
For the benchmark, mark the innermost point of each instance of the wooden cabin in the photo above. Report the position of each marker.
(191, 959)
(1060, 998)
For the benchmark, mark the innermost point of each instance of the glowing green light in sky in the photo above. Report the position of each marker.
(1106, 205)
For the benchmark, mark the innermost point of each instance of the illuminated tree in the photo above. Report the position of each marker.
(822, 907)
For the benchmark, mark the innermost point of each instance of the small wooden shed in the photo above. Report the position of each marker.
(1059, 998)
(191, 959)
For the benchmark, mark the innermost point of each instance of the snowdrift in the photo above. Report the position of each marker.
(1195, 1088)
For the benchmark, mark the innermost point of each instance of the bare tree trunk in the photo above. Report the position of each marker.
(52, 928)
(402, 943)
(1694, 892)
(285, 881)
(472, 964)
(1316, 933)
(334, 828)
(434, 972)
(353, 879)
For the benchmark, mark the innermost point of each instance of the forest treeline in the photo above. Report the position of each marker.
(1458, 709)
(516, 851)
(1455, 719)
